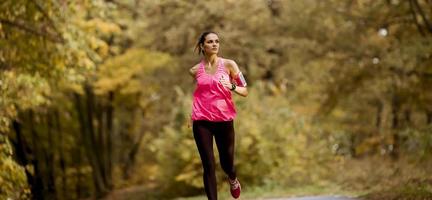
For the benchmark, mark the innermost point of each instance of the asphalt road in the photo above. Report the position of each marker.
(316, 198)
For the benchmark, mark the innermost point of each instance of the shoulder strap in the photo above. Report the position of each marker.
(221, 64)
(201, 66)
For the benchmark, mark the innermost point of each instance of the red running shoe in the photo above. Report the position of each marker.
(235, 188)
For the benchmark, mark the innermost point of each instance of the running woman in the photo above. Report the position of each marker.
(213, 111)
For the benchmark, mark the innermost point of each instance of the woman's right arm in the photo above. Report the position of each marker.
(193, 70)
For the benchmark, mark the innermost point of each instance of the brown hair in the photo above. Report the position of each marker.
(201, 41)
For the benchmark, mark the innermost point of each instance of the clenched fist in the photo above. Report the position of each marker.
(225, 82)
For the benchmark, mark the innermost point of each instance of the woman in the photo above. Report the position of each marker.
(213, 111)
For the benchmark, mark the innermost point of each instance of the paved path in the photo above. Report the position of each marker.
(316, 198)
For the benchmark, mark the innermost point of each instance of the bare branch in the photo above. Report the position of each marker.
(414, 14)
(423, 15)
(21, 25)
(45, 14)
(123, 6)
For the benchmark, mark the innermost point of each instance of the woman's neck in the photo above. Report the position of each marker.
(210, 58)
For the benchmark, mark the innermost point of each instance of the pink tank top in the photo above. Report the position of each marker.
(211, 100)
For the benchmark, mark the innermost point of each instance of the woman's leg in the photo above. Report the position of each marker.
(225, 139)
(204, 141)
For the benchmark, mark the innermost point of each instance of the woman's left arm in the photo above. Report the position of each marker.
(238, 78)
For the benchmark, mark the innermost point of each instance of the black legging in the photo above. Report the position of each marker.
(223, 133)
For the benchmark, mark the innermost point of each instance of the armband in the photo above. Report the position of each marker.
(240, 80)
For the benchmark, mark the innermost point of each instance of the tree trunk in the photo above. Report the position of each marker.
(394, 153)
(131, 156)
(378, 118)
(428, 117)
(95, 147)
(87, 137)
(100, 138)
(37, 186)
(21, 147)
(50, 169)
(62, 161)
(109, 137)
(78, 163)
(133, 142)
(20, 144)
(407, 118)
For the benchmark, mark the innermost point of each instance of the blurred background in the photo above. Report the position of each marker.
(95, 97)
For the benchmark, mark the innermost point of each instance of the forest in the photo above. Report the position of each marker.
(95, 97)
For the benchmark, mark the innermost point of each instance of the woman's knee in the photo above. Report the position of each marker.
(209, 167)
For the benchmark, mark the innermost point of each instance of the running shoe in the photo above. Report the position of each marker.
(235, 188)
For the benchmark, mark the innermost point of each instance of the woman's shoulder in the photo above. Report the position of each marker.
(229, 63)
(196, 65)
(193, 70)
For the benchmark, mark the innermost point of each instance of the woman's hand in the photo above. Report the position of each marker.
(225, 82)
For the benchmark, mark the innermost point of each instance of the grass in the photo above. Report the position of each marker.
(415, 189)
(256, 193)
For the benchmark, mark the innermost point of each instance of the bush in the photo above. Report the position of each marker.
(13, 181)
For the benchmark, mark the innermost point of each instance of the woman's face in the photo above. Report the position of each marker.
(211, 44)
